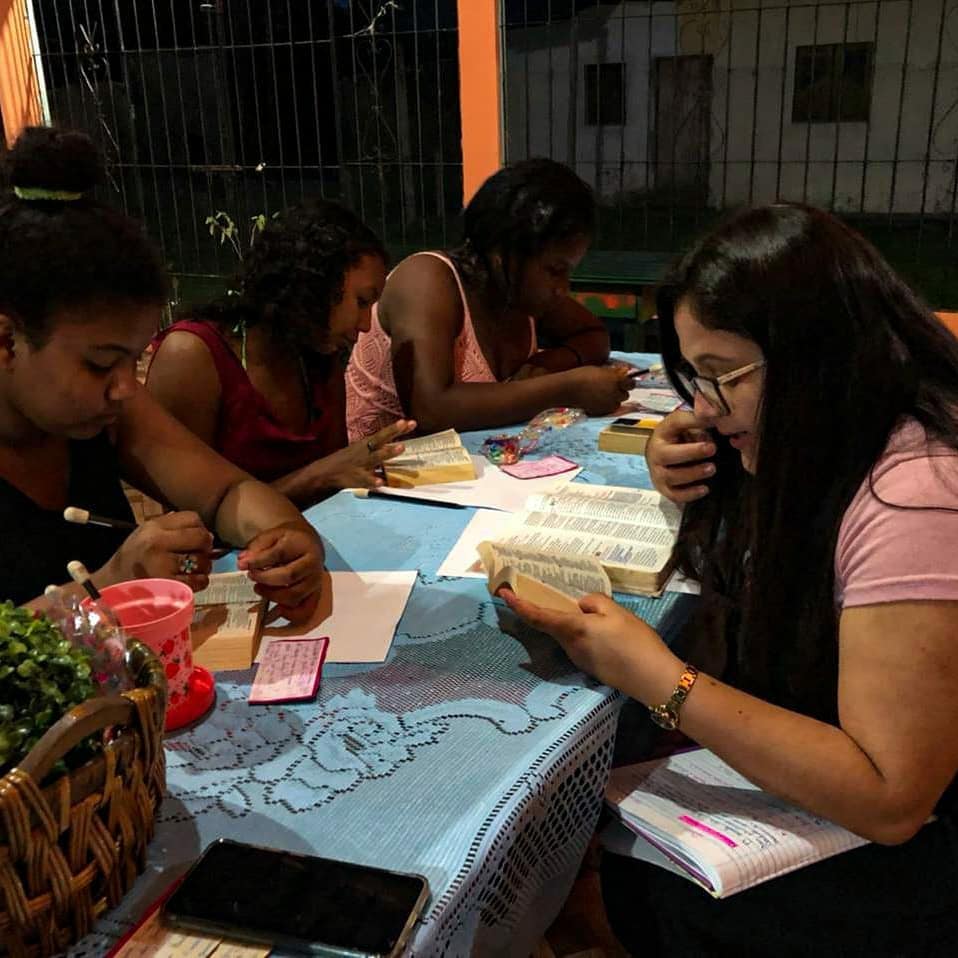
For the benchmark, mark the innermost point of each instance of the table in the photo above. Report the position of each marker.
(476, 758)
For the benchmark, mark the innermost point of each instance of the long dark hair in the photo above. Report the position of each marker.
(850, 350)
(295, 272)
(59, 246)
(517, 212)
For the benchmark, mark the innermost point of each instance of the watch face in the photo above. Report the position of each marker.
(664, 717)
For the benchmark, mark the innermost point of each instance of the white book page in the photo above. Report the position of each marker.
(645, 548)
(572, 576)
(638, 506)
(453, 456)
(620, 839)
(227, 588)
(695, 801)
(447, 439)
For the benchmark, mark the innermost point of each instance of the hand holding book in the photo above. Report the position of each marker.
(358, 465)
(608, 642)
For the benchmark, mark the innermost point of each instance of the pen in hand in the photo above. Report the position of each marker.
(84, 517)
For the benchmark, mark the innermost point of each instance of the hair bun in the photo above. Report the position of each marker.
(51, 159)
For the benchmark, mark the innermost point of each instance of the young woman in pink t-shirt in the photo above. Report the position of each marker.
(820, 467)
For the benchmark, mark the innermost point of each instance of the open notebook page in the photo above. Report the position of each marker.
(740, 835)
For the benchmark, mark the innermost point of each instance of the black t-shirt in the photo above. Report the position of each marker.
(36, 544)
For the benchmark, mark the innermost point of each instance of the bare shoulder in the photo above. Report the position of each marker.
(183, 357)
(421, 291)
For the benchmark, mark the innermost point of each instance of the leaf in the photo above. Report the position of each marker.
(42, 676)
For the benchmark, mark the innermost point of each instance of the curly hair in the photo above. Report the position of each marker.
(295, 272)
(59, 246)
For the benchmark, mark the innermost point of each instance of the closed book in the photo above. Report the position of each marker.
(627, 435)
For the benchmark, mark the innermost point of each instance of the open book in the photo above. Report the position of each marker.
(628, 532)
(227, 622)
(699, 818)
(440, 457)
(550, 581)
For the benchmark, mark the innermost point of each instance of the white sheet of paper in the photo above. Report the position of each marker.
(491, 489)
(367, 607)
(463, 561)
(645, 403)
(661, 401)
(679, 583)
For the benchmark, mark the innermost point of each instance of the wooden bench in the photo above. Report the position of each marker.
(619, 286)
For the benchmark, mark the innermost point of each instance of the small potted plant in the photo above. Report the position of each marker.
(42, 676)
(77, 807)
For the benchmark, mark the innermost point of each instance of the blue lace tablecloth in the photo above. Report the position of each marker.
(475, 757)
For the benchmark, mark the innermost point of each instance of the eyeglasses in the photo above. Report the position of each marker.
(708, 386)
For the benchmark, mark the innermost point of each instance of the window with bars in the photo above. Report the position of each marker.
(605, 94)
(833, 83)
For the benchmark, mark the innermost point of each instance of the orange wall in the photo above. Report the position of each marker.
(480, 101)
(19, 95)
(950, 320)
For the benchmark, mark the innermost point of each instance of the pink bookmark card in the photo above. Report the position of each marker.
(539, 468)
(289, 671)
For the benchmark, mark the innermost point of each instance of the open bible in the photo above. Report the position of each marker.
(440, 457)
(626, 534)
(548, 581)
(694, 815)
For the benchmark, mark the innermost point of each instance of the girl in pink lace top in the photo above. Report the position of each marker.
(454, 339)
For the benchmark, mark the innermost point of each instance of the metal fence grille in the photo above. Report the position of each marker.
(676, 111)
(245, 106)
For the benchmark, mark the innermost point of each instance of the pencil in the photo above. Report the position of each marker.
(376, 494)
(84, 517)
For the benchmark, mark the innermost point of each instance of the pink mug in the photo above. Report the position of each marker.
(158, 612)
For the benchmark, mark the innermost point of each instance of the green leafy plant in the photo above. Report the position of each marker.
(42, 676)
(222, 225)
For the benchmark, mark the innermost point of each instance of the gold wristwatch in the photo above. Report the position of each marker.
(667, 715)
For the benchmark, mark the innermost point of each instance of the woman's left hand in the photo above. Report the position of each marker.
(606, 641)
(286, 563)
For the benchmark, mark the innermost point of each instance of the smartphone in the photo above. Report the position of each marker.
(298, 902)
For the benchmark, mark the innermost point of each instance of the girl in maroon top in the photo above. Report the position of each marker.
(259, 374)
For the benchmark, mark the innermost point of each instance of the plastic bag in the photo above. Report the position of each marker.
(506, 449)
(93, 626)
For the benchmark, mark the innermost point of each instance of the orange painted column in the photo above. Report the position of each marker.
(19, 88)
(480, 92)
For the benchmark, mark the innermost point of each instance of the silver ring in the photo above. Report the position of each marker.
(188, 565)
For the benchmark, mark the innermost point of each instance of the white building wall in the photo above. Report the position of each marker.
(759, 155)
(545, 99)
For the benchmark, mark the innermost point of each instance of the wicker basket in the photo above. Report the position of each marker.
(71, 850)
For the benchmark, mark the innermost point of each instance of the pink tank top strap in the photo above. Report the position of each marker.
(471, 343)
